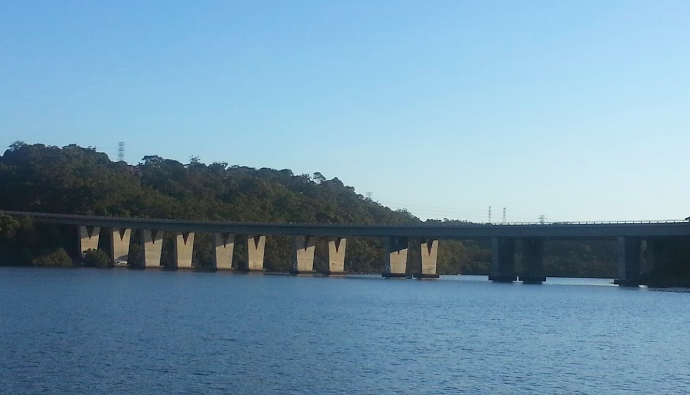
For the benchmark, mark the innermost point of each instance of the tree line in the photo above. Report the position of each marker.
(77, 180)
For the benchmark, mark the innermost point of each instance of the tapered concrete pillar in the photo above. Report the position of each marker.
(629, 251)
(503, 260)
(429, 252)
(256, 244)
(119, 244)
(223, 247)
(533, 261)
(88, 238)
(336, 256)
(152, 241)
(303, 255)
(184, 249)
(396, 257)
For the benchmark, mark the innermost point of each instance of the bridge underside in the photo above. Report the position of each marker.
(635, 242)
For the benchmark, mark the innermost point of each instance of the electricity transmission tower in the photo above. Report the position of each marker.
(121, 151)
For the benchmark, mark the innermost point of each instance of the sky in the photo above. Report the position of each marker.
(575, 110)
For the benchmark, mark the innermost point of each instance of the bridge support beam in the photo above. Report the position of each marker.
(336, 256)
(396, 257)
(429, 253)
(223, 248)
(629, 251)
(303, 255)
(88, 238)
(184, 249)
(152, 241)
(119, 244)
(256, 245)
(533, 261)
(503, 260)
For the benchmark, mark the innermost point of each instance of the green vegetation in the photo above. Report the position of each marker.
(96, 258)
(58, 257)
(76, 180)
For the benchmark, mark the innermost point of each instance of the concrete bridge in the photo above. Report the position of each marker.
(630, 236)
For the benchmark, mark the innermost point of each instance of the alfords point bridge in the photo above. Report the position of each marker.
(630, 237)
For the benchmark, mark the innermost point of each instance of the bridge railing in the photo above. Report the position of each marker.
(433, 224)
(663, 221)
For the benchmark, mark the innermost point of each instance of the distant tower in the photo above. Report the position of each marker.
(504, 215)
(370, 195)
(121, 151)
(542, 219)
(489, 214)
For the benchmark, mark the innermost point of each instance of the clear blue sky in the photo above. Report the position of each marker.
(573, 109)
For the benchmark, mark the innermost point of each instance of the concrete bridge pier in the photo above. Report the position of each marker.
(503, 260)
(184, 249)
(336, 256)
(256, 245)
(152, 241)
(223, 248)
(88, 238)
(119, 244)
(303, 256)
(396, 257)
(629, 253)
(429, 253)
(533, 261)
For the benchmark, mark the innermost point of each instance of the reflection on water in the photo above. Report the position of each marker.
(151, 332)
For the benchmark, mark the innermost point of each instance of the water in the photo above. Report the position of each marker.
(150, 332)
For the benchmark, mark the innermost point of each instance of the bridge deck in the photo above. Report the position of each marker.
(562, 230)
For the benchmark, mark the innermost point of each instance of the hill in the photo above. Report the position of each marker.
(77, 180)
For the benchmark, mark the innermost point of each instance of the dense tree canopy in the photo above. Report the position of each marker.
(76, 180)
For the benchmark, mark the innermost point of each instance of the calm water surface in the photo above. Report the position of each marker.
(150, 332)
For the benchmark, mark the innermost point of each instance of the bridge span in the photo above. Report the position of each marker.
(630, 236)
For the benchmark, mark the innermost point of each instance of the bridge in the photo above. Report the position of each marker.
(630, 237)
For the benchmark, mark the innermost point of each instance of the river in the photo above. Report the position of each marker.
(89, 331)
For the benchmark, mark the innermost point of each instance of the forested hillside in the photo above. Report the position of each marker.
(76, 180)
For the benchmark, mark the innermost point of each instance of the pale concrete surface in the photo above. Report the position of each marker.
(88, 238)
(396, 256)
(119, 244)
(336, 255)
(256, 244)
(223, 248)
(153, 244)
(429, 252)
(303, 255)
(184, 249)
